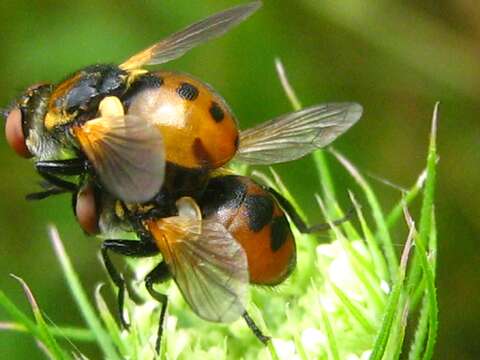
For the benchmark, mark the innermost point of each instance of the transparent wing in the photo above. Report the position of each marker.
(297, 134)
(127, 153)
(179, 43)
(208, 265)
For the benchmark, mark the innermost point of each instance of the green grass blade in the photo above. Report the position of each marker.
(400, 335)
(375, 252)
(18, 315)
(431, 306)
(47, 337)
(393, 303)
(420, 288)
(417, 295)
(428, 200)
(363, 270)
(71, 333)
(347, 226)
(287, 194)
(291, 95)
(387, 323)
(418, 345)
(319, 158)
(257, 316)
(384, 235)
(272, 351)
(108, 320)
(297, 340)
(428, 322)
(326, 182)
(419, 291)
(331, 341)
(429, 192)
(81, 298)
(397, 211)
(432, 245)
(353, 310)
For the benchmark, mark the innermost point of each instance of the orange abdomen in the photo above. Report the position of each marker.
(252, 215)
(198, 128)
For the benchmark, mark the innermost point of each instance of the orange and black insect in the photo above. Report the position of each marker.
(149, 148)
(145, 135)
(236, 233)
(166, 119)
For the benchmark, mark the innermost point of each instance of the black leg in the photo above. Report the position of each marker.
(127, 248)
(51, 172)
(52, 185)
(258, 333)
(158, 275)
(58, 182)
(299, 222)
(68, 167)
(46, 193)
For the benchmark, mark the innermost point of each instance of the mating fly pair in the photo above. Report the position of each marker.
(147, 151)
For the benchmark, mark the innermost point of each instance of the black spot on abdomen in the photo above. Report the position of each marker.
(259, 211)
(187, 91)
(145, 82)
(148, 81)
(222, 193)
(280, 232)
(236, 141)
(216, 112)
(201, 153)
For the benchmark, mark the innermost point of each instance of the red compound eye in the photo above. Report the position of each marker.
(14, 133)
(86, 210)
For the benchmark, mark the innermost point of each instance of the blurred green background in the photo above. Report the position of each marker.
(394, 57)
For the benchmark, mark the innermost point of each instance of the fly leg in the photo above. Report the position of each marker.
(52, 171)
(49, 191)
(258, 333)
(68, 167)
(299, 222)
(131, 248)
(158, 275)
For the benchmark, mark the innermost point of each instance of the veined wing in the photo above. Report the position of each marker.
(208, 265)
(297, 134)
(179, 43)
(127, 153)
